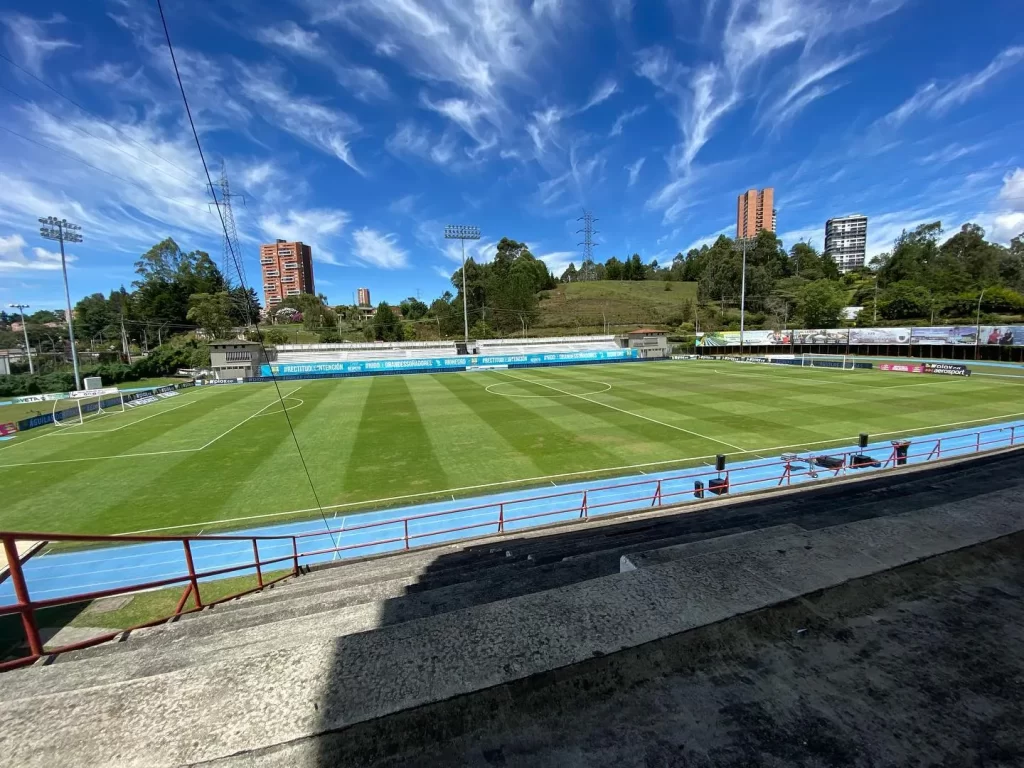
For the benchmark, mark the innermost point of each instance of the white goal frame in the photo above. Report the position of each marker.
(811, 360)
(86, 396)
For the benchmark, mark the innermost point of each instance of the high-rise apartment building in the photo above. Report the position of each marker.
(363, 297)
(846, 241)
(755, 211)
(287, 271)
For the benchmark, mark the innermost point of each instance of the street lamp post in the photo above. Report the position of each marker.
(977, 324)
(463, 233)
(24, 328)
(876, 299)
(61, 230)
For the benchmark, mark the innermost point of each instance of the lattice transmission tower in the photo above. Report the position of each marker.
(588, 270)
(233, 266)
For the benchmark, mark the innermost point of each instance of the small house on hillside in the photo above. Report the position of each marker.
(651, 342)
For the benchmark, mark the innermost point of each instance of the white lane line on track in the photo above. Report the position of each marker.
(622, 410)
(371, 503)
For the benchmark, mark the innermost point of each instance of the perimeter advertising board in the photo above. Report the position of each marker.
(820, 335)
(1003, 335)
(943, 335)
(880, 335)
(901, 367)
(751, 338)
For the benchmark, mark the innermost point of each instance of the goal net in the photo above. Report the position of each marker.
(86, 404)
(827, 361)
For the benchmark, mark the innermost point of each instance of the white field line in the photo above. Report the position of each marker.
(29, 440)
(623, 410)
(123, 426)
(136, 455)
(370, 503)
(249, 418)
(1003, 376)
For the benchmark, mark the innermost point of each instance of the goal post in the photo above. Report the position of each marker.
(827, 361)
(87, 403)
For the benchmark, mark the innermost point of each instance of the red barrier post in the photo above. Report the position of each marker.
(406, 521)
(28, 616)
(656, 501)
(256, 559)
(977, 441)
(192, 572)
(583, 508)
(295, 556)
(501, 517)
(182, 600)
(1013, 429)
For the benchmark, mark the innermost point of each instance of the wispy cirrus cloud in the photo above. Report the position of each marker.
(935, 99)
(30, 41)
(625, 117)
(378, 249)
(634, 170)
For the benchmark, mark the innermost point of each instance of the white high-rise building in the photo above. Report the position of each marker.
(846, 240)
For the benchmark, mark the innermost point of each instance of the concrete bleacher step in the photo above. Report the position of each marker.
(279, 706)
(659, 556)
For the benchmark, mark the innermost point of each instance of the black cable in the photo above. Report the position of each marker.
(90, 112)
(235, 259)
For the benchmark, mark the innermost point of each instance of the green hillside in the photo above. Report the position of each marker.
(619, 303)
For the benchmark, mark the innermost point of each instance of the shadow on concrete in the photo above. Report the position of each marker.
(460, 578)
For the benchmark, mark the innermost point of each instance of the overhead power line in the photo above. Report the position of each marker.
(90, 112)
(237, 260)
(97, 168)
(98, 138)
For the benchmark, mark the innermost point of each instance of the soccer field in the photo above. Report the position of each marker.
(219, 457)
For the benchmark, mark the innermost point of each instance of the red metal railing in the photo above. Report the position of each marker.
(578, 503)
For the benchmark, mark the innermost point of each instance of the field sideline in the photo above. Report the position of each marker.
(221, 457)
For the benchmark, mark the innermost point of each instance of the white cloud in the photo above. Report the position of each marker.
(27, 38)
(625, 117)
(258, 174)
(13, 258)
(378, 249)
(934, 99)
(558, 261)
(316, 227)
(949, 153)
(634, 170)
(442, 271)
(700, 242)
(622, 9)
(754, 32)
(323, 127)
(412, 139)
(1008, 223)
(603, 92)
(404, 205)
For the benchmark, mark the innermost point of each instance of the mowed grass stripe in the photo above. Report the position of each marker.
(550, 445)
(452, 426)
(211, 477)
(93, 486)
(392, 453)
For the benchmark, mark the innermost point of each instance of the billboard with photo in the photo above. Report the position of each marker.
(752, 338)
(820, 336)
(1003, 335)
(879, 335)
(945, 334)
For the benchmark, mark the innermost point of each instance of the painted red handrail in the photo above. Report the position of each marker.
(579, 502)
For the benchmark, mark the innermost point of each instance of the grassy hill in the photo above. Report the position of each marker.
(588, 305)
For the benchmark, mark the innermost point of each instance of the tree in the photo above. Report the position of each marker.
(211, 312)
(413, 308)
(821, 303)
(613, 269)
(386, 327)
(570, 275)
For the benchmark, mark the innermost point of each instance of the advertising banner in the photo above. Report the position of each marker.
(1003, 335)
(142, 401)
(948, 334)
(41, 398)
(820, 335)
(901, 367)
(443, 363)
(7, 429)
(82, 393)
(947, 369)
(879, 335)
(752, 338)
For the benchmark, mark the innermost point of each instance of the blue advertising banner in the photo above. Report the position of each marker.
(949, 334)
(444, 363)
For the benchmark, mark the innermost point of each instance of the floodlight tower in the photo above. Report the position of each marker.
(61, 230)
(463, 233)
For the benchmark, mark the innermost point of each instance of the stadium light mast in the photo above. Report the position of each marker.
(24, 327)
(743, 293)
(463, 233)
(61, 230)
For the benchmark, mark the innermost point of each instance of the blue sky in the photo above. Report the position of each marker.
(363, 127)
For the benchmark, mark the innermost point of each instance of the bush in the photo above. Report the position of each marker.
(329, 337)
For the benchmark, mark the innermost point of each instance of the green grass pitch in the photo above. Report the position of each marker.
(221, 457)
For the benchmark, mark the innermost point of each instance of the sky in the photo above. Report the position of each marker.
(363, 127)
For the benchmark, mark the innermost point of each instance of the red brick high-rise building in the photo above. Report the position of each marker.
(755, 210)
(363, 297)
(287, 269)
